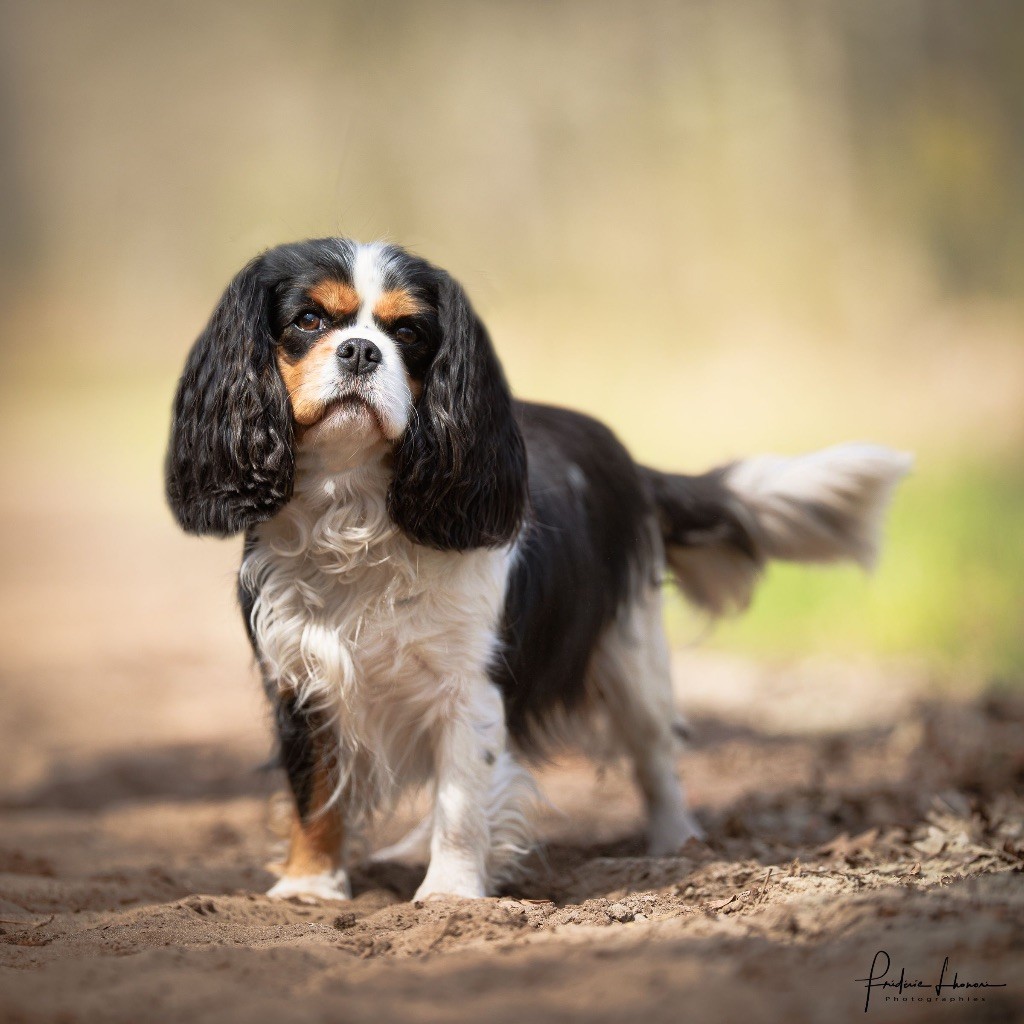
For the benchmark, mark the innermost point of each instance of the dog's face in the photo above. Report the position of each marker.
(356, 329)
(329, 344)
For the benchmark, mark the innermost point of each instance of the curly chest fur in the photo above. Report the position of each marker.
(354, 618)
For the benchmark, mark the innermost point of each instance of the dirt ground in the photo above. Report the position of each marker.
(849, 810)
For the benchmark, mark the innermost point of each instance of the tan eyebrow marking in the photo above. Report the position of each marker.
(336, 297)
(396, 303)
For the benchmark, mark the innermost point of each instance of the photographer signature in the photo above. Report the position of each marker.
(877, 978)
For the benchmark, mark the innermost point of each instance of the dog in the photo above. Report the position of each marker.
(440, 583)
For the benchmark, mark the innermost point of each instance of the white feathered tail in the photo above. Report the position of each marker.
(721, 528)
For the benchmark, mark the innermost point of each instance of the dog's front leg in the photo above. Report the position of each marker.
(469, 740)
(309, 756)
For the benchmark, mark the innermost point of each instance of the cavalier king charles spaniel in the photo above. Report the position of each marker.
(441, 583)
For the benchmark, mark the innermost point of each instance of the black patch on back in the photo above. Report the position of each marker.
(585, 550)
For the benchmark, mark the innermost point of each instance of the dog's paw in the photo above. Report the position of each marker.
(331, 885)
(670, 832)
(441, 884)
(425, 895)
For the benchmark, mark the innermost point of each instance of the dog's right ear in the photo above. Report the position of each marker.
(231, 459)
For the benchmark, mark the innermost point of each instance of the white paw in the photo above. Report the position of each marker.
(331, 885)
(443, 883)
(670, 832)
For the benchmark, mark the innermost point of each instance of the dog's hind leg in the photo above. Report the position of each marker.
(632, 673)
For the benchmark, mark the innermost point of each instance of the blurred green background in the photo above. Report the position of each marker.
(724, 227)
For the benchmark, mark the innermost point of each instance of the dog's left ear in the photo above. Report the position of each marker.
(460, 472)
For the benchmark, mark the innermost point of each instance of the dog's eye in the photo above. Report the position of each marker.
(406, 335)
(309, 322)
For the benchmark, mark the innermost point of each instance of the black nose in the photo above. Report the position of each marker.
(358, 355)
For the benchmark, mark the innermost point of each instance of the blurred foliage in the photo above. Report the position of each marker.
(780, 154)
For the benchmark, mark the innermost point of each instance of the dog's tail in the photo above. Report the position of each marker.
(720, 528)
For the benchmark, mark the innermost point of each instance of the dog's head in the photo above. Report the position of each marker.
(333, 344)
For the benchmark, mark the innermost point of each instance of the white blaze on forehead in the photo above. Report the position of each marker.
(388, 388)
(368, 278)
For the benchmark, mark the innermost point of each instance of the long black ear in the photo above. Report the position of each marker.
(231, 460)
(460, 472)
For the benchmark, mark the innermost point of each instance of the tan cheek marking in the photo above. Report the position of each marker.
(337, 297)
(415, 386)
(303, 379)
(396, 303)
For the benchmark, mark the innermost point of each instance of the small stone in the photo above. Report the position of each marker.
(620, 912)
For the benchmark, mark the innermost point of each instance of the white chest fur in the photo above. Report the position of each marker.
(385, 636)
